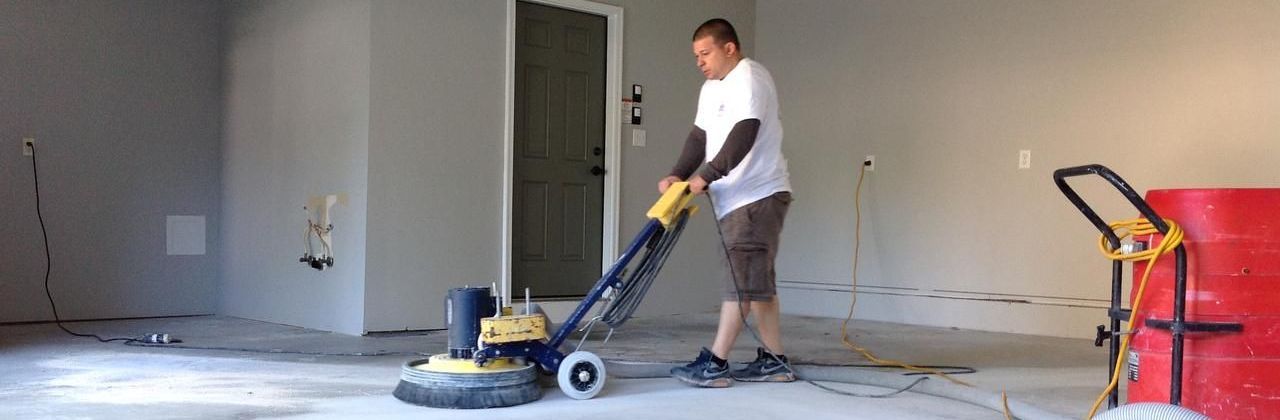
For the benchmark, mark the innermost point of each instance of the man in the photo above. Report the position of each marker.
(735, 151)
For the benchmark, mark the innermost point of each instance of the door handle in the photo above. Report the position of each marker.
(597, 170)
(597, 151)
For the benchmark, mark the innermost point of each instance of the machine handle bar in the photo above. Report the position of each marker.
(1060, 178)
(1178, 324)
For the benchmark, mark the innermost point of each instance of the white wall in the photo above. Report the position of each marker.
(297, 125)
(123, 99)
(1167, 94)
(435, 180)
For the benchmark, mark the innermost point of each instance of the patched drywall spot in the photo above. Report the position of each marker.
(185, 235)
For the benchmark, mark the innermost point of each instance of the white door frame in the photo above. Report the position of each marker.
(612, 131)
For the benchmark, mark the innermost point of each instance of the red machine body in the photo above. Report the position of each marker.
(1233, 276)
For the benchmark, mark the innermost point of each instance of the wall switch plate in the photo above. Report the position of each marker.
(28, 146)
(1024, 159)
(870, 163)
(638, 137)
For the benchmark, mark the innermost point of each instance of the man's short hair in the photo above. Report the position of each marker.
(718, 29)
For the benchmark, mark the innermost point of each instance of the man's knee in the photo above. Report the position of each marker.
(768, 306)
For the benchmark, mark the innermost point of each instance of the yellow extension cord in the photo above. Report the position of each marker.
(1123, 229)
(844, 334)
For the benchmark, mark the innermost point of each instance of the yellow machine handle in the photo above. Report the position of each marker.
(671, 203)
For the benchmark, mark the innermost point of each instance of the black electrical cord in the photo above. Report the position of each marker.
(48, 262)
(632, 292)
(741, 313)
(136, 343)
(951, 370)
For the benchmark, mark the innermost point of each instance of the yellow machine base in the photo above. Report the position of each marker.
(442, 363)
(513, 328)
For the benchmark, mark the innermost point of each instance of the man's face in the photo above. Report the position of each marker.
(715, 61)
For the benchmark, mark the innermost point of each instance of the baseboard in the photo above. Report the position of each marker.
(997, 312)
(70, 321)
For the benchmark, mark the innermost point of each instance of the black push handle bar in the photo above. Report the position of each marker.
(1178, 324)
(1060, 178)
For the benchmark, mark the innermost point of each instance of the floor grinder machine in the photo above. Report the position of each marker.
(495, 357)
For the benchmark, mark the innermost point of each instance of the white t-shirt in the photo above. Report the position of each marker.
(747, 92)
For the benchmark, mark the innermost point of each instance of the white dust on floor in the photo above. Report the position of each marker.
(169, 379)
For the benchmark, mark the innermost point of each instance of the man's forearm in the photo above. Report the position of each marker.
(736, 146)
(695, 150)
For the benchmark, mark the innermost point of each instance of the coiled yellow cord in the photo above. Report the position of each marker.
(844, 333)
(1124, 229)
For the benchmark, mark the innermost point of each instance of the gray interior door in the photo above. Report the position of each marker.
(558, 185)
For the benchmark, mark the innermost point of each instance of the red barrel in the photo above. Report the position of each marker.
(1233, 276)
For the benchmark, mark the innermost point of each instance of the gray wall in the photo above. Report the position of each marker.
(297, 125)
(123, 99)
(435, 177)
(435, 156)
(946, 93)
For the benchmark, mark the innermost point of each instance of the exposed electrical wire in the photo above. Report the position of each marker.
(324, 258)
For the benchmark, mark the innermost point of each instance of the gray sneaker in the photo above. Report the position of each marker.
(767, 367)
(704, 372)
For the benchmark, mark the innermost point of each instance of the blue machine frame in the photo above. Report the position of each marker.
(546, 354)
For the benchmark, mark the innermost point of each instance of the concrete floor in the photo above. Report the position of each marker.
(48, 374)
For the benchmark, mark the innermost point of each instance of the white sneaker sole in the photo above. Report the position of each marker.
(710, 383)
(777, 377)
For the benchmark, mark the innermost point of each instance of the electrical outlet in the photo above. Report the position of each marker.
(870, 163)
(28, 146)
(1024, 159)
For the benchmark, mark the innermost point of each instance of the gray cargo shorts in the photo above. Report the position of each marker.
(751, 235)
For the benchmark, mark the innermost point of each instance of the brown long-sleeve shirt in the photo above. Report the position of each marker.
(735, 148)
